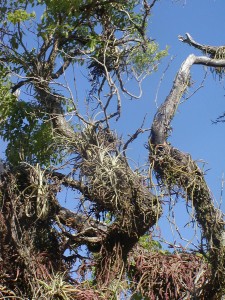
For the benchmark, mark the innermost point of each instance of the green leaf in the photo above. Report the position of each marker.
(19, 15)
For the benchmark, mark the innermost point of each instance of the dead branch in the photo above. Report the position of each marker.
(206, 49)
(177, 169)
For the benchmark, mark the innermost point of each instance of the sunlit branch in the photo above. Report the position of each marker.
(176, 169)
(133, 96)
(205, 48)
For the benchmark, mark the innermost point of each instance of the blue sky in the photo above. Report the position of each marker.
(193, 131)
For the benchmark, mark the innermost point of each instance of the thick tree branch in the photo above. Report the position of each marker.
(80, 221)
(161, 124)
(134, 207)
(177, 169)
(53, 104)
(62, 69)
(89, 231)
(146, 210)
(211, 50)
(20, 84)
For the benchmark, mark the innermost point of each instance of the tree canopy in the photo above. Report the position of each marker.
(57, 137)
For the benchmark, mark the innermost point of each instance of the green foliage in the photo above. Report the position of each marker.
(146, 59)
(7, 99)
(20, 15)
(94, 33)
(147, 243)
(151, 245)
(88, 31)
(67, 6)
(64, 19)
(29, 139)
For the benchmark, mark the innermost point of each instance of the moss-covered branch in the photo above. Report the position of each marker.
(176, 169)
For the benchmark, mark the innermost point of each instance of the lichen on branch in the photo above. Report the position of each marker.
(175, 169)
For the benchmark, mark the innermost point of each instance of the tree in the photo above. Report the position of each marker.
(55, 139)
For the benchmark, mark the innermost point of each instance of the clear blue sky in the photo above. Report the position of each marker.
(193, 131)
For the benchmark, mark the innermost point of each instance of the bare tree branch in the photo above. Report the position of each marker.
(175, 168)
(211, 50)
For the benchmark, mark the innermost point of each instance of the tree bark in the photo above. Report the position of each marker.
(178, 170)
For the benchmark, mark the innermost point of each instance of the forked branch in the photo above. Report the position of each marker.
(178, 170)
(206, 49)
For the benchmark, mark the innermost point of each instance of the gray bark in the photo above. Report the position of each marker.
(175, 168)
